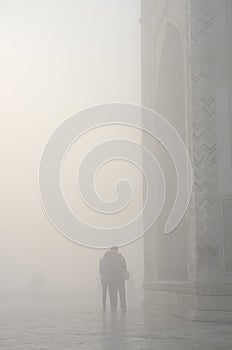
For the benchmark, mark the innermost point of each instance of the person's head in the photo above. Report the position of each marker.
(114, 250)
(107, 255)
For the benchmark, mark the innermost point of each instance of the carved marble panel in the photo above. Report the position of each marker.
(226, 205)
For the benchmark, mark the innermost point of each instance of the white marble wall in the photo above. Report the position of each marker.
(187, 77)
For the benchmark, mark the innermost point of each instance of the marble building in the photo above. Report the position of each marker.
(187, 78)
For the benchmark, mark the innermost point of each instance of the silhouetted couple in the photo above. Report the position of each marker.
(113, 275)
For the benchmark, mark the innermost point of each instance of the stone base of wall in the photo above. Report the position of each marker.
(199, 303)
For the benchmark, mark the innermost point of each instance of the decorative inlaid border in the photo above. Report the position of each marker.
(226, 218)
(206, 205)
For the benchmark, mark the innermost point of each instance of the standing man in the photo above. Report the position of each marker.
(118, 273)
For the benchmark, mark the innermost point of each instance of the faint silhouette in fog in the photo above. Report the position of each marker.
(37, 285)
(105, 273)
(113, 275)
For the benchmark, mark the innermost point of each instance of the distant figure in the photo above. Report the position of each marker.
(117, 282)
(37, 285)
(117, 274)
(105, 274)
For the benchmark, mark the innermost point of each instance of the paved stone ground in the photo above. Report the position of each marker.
(68, 324)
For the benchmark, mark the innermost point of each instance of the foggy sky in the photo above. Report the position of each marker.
(57, 57)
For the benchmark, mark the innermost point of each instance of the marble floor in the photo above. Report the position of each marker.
(59, 323)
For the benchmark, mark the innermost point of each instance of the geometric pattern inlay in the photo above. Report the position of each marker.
(204, 148)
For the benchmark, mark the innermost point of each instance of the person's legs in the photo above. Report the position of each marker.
(122, 294)
(104, 294)
(113, 295)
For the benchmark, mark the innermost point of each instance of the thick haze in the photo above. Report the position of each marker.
(57, 57)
